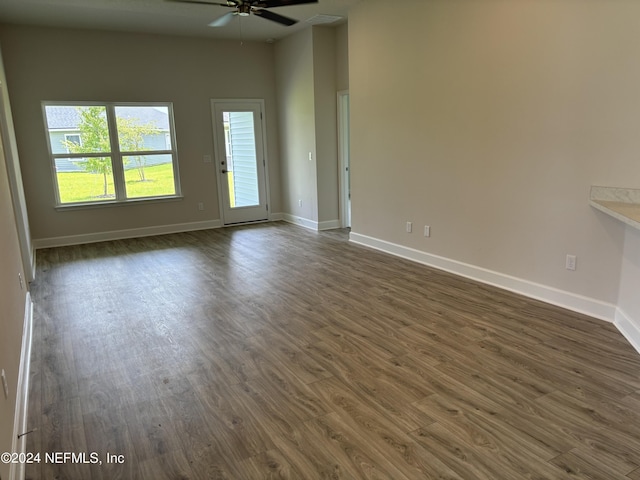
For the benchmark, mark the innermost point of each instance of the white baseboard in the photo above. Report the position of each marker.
(34, 259)
(122, 234)
(310, 224)
(571, 301)
(301, 221)
(276, 217)
(16, 471)
(32, 267)
(329, 225)
(629, 328)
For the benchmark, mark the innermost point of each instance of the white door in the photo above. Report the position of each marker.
(240, 160)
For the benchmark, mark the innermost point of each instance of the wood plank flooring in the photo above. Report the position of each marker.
(273, 352)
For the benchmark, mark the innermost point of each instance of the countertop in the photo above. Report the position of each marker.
(621, 203)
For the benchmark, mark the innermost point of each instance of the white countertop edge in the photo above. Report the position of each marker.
(614, 214)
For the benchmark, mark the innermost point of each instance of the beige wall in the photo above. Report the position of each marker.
(342, 57)
(489, 121)
(307, 70)
(629, 296)
(7, 132)
(12, 310)
(325, 91)
(296, 115)
(69, 65)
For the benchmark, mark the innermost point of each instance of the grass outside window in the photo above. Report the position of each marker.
(83, 187)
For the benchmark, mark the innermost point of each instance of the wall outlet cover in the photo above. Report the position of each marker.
(571, 261)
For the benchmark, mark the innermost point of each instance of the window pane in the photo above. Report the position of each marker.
(242, 169)
(143, 128)
(77, 129)
(72, 140)
(84, 179)
(149, 176)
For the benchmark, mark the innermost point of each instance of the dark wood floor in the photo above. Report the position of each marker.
(270, 351)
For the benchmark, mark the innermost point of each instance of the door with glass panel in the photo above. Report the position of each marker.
(240, 160)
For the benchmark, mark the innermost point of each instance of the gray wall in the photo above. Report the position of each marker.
(74, 65)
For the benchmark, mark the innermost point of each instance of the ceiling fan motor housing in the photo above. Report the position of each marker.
(244, 8)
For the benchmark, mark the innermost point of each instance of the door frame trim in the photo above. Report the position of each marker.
(263, 123)
(16, 186)
(343, 160)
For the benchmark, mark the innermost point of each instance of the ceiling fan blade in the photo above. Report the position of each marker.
(223, 20)
(281, 3)
(274, 17)
(230, 3)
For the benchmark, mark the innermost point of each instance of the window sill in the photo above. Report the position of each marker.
(119, 203)
(621, 203)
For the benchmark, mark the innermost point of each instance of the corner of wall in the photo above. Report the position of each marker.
(628, 309)
(19, 444)
(628, 327)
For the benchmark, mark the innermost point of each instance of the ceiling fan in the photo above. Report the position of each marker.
(244, 8)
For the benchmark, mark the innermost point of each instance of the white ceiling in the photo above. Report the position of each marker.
(162, 16)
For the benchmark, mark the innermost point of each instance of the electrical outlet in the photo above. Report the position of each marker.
(427, 231)
(409, 227)
(21, 281)
(200, 206)
(570, 263)
(300, 202)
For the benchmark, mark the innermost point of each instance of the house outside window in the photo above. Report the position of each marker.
(111, 153)
(72, 138)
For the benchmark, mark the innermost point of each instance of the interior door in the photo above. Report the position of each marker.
(240, 160)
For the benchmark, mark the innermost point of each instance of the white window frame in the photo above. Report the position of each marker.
(115, 154)
(69, 135)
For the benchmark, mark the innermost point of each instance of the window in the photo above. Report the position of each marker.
(112, 152)
(71, 138)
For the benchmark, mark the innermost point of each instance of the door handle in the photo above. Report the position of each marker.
(224, 171)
